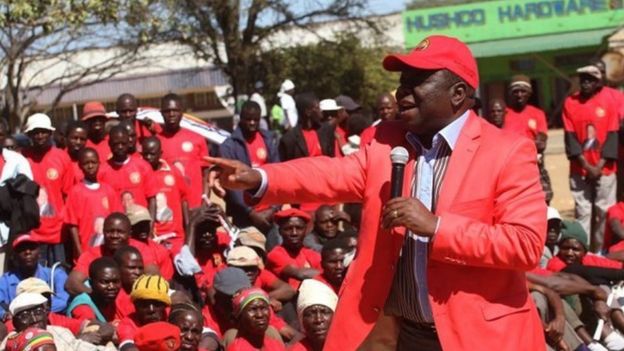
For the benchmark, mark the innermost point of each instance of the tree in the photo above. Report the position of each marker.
(41, 43)
(329, 68)
(231, 33)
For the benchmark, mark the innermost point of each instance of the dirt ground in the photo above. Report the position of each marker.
(558, 167)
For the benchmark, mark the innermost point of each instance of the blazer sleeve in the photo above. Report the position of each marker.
(516, 237)
(316, 179)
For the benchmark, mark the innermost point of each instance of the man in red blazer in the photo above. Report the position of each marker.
(443, 266)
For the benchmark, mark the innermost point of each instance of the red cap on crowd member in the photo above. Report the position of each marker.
(157, 336)
(292, 212)
(438, 52)
(24, 238)
(93, 109)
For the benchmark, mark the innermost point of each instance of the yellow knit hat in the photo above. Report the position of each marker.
(151, 287)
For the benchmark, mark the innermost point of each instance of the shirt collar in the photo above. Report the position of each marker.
(450, 133)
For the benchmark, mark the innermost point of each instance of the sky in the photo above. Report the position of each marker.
(386, 6)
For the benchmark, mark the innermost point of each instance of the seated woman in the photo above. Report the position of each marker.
(315, 307)
(251, 311)
(100, 302)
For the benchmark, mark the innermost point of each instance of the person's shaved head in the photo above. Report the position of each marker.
(386, 107)
(126, 106)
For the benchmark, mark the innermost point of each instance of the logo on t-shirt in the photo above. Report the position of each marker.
(135, 177)
(261, 153)
(169, 180)
(532, 123)
(187, 146)
(600, 112)
(52, 174)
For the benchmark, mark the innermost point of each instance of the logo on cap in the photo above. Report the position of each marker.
(52, 174)
(422, 45)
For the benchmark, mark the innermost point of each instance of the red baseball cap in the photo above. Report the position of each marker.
(157, 336)
(292, 212)
(24, 238)
(438, 52)
(93, 109)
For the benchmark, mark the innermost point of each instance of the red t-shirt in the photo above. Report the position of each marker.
(368, 135)
(93, 253)
(127, 328)
(279, 258)
(87, 208)
(555, 264)
(123, 305)
(54, 174)
(528, 122)
(321, 278)
(142, 131)
(269, 344)
(342, 134)
(186, 150)
(76, 171)
(257, 150)
(128, 179)
(265, 280)
(102, 149)
(302, 345)
(312, 142)
(615, 212)
(84, 312)
(618, 99)
(169, 188)
(161, 257)
(590, 121)
(1, 162)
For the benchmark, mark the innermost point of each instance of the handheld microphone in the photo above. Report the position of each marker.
(399, 157)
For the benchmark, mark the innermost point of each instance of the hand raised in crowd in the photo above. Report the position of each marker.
(410, 213)
(233, 174)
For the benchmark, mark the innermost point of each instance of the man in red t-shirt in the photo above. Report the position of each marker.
(116, 235)
(591, 136)
(85, 223)
(105, 283)
(291, 261)
(130, 262)
(529, 121)
(127, 108)
(94, 115)
(387, 110)
(332, 262)
(167, 194)
(184, 149)
(127, 175)
(614, 230)
(52, 170)
(76, 139)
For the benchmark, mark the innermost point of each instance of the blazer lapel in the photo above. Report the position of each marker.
(461, 157)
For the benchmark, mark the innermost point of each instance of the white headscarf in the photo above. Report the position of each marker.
(313, 292)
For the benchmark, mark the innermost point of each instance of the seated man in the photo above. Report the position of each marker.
(116, 234)
(26, 255)
(326, 227)
(332, 262)
(246, 259)
(141, 226)
(105, 286)
(150, 296)
(552, 236)
(315, 307)
(30, 310)
(291, 261)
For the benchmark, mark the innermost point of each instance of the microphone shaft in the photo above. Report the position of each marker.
(396, 180)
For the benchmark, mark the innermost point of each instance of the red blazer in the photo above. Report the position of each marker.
(492, 229)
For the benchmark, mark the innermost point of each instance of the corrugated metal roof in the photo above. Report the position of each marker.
(148, 85)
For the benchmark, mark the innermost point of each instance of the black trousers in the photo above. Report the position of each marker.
(417, 337)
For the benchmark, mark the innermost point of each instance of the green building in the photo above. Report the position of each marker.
(546, 40)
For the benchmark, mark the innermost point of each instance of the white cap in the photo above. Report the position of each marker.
(591, 70)
(313, 292)
(38, 120)
(329, 105)
(287, 85)
(25, 301)
(552, 213)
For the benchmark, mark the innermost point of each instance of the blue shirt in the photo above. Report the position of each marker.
(9, 281)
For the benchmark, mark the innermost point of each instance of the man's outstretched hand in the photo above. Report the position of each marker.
(232, 174)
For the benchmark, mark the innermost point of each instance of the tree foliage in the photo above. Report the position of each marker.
(231, 33)
(329, 69)
(40, 43)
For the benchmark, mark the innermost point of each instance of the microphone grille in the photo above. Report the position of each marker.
(399, 155)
